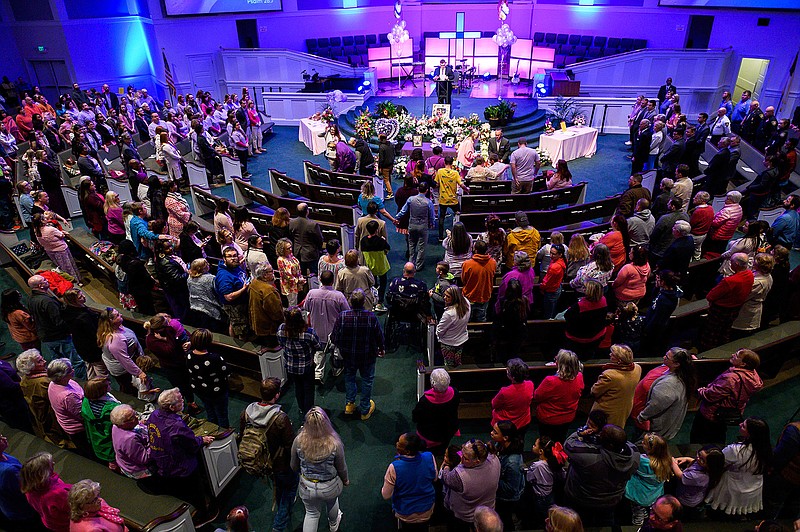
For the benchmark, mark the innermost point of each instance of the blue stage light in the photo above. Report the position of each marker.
(487, 76)
(540, 85)
(367, 83)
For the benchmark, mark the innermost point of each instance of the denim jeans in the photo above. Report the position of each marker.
(65, 349)
(285, 486)
(367, 372)
(216, 406)
(549, 302)
(442, 215)
(417, 238)
(478, 312)
(314, 495)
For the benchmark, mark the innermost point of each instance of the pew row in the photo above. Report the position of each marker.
(316, 193)
(537, 201)
(317, 175)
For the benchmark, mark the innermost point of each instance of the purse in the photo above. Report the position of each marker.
(337, 361)
(731, 415)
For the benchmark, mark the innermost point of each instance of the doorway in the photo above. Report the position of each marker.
(52, 78)
(751, 76)
(699, 32)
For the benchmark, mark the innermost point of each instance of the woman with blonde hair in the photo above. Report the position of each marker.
(577, 255)
(116, 224)
(556, 398)
(613, 391)
(45, 491)
(586, 320)
(289, 267)
(120, 348)
(318, 455)
(368, 194)
(561, 519)
(451, 331)
(204, 307)
(90, 513)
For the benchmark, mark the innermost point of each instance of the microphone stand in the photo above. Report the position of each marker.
(424, 91)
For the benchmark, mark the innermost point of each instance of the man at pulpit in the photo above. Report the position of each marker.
(444, 76)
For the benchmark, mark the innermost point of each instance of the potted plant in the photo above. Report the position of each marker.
(564, 110)
(501, 114)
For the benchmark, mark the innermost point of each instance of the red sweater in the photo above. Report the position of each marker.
(732, 291)
(701, 220)
(557, 400)
(554, 276)
(616, 247)
(513, 403)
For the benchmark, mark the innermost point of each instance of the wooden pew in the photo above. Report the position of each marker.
(317, 175)
(203, 202)
(482, 188)
(245, 193)
(576, 217)
(317, 193)
(538, 201)
(141, 511)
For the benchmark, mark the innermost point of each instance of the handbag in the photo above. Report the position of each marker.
(330, 150)
(337, 361)
(235, 383)
(731, 415)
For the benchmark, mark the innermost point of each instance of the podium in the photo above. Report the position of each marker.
(444, 91)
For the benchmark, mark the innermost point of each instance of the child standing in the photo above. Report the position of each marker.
(647, 483)
(144, 387)
(702, 475)
(544, 474)
(444, 279)
(375, 249)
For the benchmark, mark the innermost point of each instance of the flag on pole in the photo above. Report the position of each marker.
(786, 84)
(168, 75)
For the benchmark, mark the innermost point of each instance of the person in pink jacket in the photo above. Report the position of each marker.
(723, 226)
(45, 491)
(631, 282)
(89, 513)
(513, 402)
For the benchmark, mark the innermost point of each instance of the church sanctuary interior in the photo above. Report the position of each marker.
(420, 265)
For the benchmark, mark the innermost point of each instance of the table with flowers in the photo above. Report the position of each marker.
(310, 130)
(571, 144)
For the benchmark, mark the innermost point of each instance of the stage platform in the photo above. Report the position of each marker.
(493, 88)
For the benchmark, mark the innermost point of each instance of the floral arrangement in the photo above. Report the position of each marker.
(544, 157)
(364, 124)
(579, 120)
(548, 127)
(386, 110)
(328, 115)
(486, 134)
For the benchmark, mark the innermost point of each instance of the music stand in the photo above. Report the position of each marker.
(424, 85)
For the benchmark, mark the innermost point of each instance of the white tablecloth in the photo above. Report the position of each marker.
(309, 135)
(571, 144)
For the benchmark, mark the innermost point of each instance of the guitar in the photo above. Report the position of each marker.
(515, 78)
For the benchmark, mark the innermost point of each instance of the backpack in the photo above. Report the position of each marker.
(254, 454)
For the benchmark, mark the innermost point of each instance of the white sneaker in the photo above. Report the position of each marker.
(335, 526)
(628, 143)
(380, 308)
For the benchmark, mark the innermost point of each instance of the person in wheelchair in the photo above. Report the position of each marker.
(409, 305)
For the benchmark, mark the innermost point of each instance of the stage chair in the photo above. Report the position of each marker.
(550, 39)
(383, 39)
(626, 44)
(613, 42)
(323, 42)
(359, 40)
(574, 40)
(559, 61)
(564, 49)
(562, 38)
(336, 41)
(311, 45)
(349, 50)
(538, 38)
(580, 51)
(600, 42)
(594, 52)
(570, 60)
(586, 40)
(372, 41)
(610, 51)
(361, 49)
(336, 51)
(348, 41)
(638, 44)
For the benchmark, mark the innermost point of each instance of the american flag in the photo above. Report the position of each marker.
(168, 75)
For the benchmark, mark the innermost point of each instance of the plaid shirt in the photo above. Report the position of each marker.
(358, 335)
(298, 353)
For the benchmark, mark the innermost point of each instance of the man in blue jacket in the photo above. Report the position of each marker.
(140, 232)
(786, 229)
(231, 284)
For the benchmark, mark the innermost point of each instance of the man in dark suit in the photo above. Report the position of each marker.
(89, 166)
(751, 122)
(444, 76)
(241, 117)
(79, 96)
(306, 240)
(500, 146)
(109, 98)
(141, 125)
(664, 89)
(672, 157)
(716, 180)
(129, 151)
(767, 128)
(641, 146)
(648, 112)
(702, 131)
(694, 149)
